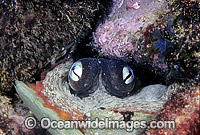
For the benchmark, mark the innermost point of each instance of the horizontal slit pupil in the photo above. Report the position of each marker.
(75, 72)
(128, 75)
(90, 67)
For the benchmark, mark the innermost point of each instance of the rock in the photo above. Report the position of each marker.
(36, 34)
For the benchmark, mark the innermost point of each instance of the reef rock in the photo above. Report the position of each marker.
(35, 34)
(160, 35)
(121, 36)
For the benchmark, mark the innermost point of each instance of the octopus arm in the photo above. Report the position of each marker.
(35, 104)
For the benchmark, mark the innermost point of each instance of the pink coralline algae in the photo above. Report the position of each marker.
(122, 35)
(11, 122)
(133, 4)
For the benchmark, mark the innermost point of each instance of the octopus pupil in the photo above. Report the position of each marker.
(128, 75)
(75, 72)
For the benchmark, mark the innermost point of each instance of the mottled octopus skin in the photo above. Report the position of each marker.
(36, 105)
(175, 109)
(75, 114)
(38, 87)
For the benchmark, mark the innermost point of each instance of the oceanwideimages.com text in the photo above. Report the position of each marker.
(106, 123)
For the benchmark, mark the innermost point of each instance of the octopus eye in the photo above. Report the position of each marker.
(127, 74)
(118, 78)
(83, 77)
(75, 71)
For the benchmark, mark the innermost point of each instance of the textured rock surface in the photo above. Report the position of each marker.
(12, 120)
(36, 33)
(160, 35)
(179, 28)
(121, 36)
(183, 31)
(183, 108)
(169, 47)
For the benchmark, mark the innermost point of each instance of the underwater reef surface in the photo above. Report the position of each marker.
(35, 34)
(120, 36)
(12, 119)
(183, 108)
(160, 35)
(168, 46)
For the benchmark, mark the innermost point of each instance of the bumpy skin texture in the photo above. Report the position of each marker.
(36, 33)
(55, 83)
(55, 93)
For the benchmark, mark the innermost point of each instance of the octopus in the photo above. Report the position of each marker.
(102, 88)
(93, 88)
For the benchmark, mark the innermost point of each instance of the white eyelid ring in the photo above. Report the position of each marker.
(127, 74)
(76, 71)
